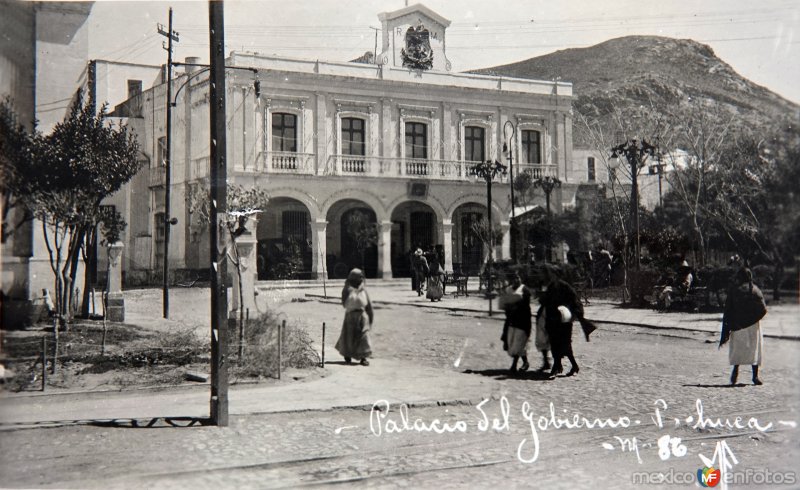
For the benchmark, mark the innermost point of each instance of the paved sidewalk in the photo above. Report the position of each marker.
(342, 386)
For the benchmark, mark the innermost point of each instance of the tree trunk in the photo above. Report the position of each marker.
(74, 256)
(777, 279)
(89, 264)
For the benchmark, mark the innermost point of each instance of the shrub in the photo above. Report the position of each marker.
(261, 347)
(642, 283)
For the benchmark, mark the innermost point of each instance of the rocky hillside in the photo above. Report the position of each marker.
(640, 70)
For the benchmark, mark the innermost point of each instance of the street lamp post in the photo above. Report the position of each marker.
(636, 153)
(548, 184)
(508, 152)
(487, 171)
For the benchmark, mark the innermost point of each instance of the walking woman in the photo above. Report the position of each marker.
(516, 301)
(435, 280)
(744, 308)
(561, 306)
(354, 340)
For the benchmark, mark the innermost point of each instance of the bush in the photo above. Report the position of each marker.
(261, 347)
(641, 284)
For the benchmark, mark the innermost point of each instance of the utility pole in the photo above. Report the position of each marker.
(171, 36)
(218, 206)
(375, 53)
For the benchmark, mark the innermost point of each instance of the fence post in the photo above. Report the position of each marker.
(44, 362)
(241, 333)
(323, 344)
(55, 349)
(280, 347)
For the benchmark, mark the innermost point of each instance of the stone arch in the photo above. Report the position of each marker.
(498, 213)
(344, 248)
(369, 198)
(285, 236)
(435, 204)
(309, 201)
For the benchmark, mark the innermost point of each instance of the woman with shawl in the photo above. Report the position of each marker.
(744, 308)
(516, 301)
(435, 280)
(354, 340)
(560, 306)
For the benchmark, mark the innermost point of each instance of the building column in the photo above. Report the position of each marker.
(319, 252)
(447, 241)
(385, 250)
(505, 248)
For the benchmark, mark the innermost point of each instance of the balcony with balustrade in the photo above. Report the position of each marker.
(293, 163)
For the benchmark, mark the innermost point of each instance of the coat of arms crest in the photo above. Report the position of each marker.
(418, 54)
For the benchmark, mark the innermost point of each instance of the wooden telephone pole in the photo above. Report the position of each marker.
(217, 249)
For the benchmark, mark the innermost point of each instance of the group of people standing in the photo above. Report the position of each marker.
(559, 307)
(427, 275)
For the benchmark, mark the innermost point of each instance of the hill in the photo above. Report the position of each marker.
(644, 70)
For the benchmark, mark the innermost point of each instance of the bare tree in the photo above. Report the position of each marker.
(243, 203)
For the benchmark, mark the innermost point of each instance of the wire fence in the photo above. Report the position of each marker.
(258, 347)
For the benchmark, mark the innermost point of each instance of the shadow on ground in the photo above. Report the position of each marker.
(501, 374)
(152, 423)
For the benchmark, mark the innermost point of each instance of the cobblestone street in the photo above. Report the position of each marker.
(624, 371)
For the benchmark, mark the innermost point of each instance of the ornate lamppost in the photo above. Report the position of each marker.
(508, 152)
(636, 153)
(487, 171)
(548, 184)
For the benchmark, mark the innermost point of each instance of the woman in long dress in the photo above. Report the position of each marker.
(744, 308)
(354, 340)
(435, 280)
(516, 301)
(560, 307)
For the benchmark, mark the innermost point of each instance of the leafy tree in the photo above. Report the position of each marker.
(63, 180)
(18, 148)
(757, 205)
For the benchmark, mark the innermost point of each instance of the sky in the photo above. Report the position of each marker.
(759, 39)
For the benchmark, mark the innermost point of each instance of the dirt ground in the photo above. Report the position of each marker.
(625, 371)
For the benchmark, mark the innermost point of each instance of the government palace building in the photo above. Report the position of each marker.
(389, 140)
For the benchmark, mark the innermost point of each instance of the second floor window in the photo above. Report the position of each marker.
(284, 132)
(531, 146)
(353, 136)
(474, 144)
(416, 140)
(590, 169)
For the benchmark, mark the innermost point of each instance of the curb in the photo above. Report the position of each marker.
(143, 422)
(610, 322)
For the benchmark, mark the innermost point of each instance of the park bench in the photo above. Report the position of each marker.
(458, 280)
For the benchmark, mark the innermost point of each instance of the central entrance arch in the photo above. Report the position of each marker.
(352, 239)
(414, 225)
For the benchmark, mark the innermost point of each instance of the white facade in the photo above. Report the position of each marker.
(325, 139)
